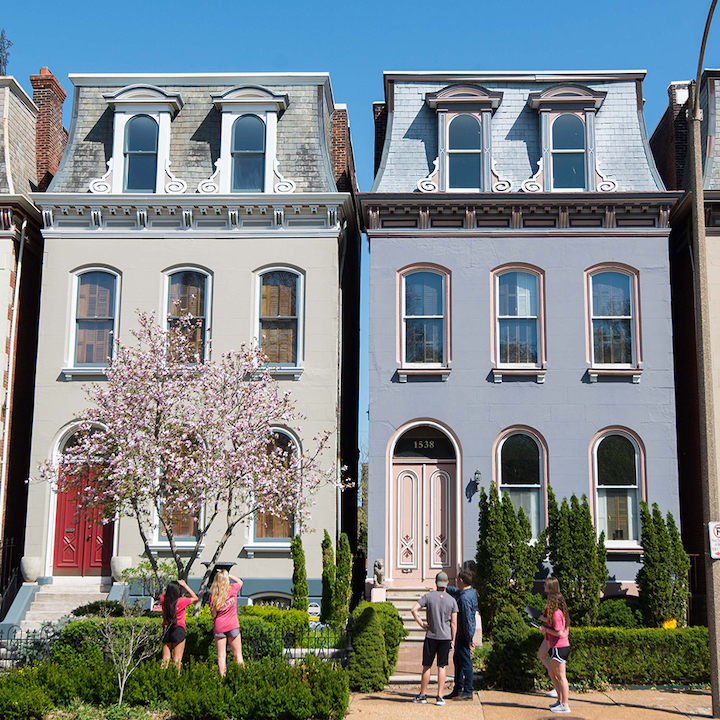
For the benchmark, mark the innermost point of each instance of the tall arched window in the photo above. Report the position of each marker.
(248, 154)
(188, 295)
(521, 470)
(568, 153)
(95, 318)
(268, 527)
(141, 153)
(617, 474)
(465, 153)
(518, 319)
(424, 318)
(280, 316)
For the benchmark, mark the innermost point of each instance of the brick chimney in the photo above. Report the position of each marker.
(50, 135)
(343, 161)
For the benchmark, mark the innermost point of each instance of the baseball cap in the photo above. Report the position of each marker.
(441, 579)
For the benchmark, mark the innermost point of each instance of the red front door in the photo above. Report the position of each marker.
(83, 545)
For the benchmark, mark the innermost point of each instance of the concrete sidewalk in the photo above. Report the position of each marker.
(395, 703)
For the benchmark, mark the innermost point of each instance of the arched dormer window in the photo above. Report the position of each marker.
(248, 154)
(464, 154)
(568, 153)
(141, 154)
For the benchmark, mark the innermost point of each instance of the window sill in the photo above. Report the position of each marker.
(256, 548)
(442, 372)
(625, 548)
(163, 547)
(594, 373)
(73, 372)
(292, 372)
(538, 373)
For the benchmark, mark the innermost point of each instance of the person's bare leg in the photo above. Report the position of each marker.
(561, 684)
(236, 647)
(177, 654)
(425, 681)
(542, 654)
(442, 674)
(221, 645)
(166, 652)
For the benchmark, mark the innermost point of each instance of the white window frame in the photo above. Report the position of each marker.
(259, 544)
(444, 317)
(295, 370)
(167, 274)
(632, 317)
(554, 151)
(72, 367)
(539, 320)
(503, 487)
(162, 543)
(233, 104)
(449, 152)
(634, 521)
(147, 100)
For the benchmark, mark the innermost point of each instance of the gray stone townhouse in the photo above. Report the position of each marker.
(520, 324)
(230, 196)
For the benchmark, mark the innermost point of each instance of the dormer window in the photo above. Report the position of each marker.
(464, 163)
(141, 154)
(140, 163)
(248, 154)
(567, 135)
(248, 142)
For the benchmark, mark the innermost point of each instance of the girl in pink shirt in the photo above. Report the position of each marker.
(223, 608)
(173, 610)
(555, 627)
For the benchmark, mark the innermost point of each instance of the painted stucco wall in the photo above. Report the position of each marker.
(567, 410)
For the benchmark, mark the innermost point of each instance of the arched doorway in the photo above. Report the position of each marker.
(83, 545)
(423, 495)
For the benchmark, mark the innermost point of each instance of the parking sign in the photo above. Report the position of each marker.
(714, 530)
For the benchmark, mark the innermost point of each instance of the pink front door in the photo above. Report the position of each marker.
(423, 532)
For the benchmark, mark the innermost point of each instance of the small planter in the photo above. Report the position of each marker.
(30, 567)
(118, 565)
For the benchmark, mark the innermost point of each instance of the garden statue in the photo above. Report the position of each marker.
(379, 572)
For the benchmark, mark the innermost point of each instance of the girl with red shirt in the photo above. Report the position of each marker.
(173, 610)
(223, 608)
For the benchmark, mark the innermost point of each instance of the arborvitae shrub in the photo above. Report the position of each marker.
(343, 584)
(392, 627)
(368, 668)
(299, 578)
(620, 613)
(328, 578)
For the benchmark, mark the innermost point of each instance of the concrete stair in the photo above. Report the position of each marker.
(54, 601)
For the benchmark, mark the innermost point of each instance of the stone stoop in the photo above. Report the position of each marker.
(60, 598)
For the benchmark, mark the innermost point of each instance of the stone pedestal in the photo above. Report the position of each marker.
(378, 594)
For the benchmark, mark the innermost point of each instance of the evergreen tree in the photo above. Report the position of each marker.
(299, 578)
(343, 583)
(492, 570)
(663, 578)
(328, 578)
(368, 669)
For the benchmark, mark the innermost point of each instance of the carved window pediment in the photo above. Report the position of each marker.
(566, 97)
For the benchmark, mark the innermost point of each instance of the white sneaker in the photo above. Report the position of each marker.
(552, 693)
(560, 708)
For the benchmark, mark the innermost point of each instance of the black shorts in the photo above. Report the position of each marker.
(432, 647)
(560, 655)
(174, 635)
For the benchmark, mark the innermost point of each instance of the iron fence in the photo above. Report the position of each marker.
(10, 580)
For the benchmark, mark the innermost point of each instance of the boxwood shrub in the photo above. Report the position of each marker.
(288, 622)
(392, 627)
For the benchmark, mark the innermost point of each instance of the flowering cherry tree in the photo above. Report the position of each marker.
(170, 438)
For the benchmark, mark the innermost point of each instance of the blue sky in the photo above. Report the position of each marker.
(356, 42)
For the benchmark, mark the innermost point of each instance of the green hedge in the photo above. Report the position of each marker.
(598, 656)
(392, 626)
(288, 622)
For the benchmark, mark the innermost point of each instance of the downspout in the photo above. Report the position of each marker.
(10, 395)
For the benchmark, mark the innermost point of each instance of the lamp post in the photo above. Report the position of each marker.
(708, 455)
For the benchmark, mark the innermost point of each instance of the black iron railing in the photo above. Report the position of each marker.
(10, 580)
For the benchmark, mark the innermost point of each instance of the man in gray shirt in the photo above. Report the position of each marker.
(441, 626)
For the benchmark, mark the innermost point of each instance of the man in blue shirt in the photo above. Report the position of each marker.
(466, 599)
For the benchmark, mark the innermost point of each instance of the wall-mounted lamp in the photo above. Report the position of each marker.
(477, 479)
(473, 485)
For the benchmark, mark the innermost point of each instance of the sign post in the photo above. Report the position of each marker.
(714, 533)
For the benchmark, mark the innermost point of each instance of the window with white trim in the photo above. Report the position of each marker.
(464, 153)
(141, 154)
(518, 332)
(617, 473)
(612, 318)
(520, 465)
(248, 154)
(187, 309)
(424, 321)
(568, 152)
(280, 313)
(96, 306)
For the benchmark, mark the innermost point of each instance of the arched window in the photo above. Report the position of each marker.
(188, 295)
(568, 153)
(248, 154)
(95, 311)
(612, 316)
(617, 474)
(518, 304)
(280, 316)
(424, 314)
(465, 153)
(268, 527)
(521, 470)
(141, 153)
